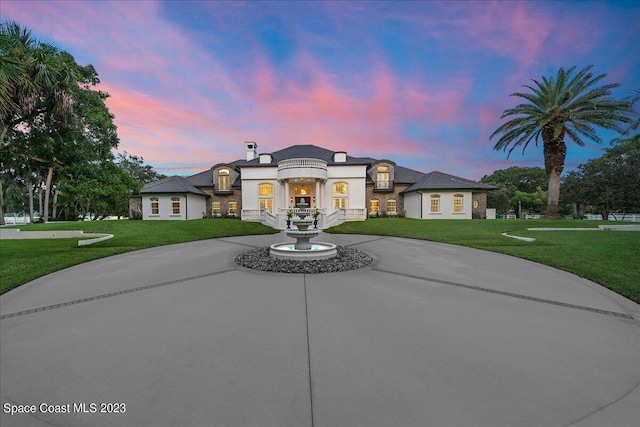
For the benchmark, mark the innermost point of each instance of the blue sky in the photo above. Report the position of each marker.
(422, 83)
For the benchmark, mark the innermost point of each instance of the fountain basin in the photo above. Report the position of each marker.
(318, 250)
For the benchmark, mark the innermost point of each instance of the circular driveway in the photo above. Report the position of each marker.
(428, 335)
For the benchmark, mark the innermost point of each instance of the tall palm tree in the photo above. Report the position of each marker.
(35, 78)
(564, 105)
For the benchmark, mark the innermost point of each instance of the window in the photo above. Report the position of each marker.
(475, 204)
(265, 196)
(435, 203)
(382, 180)
(391, 206)
(340, 202)
(266, 204)
(265, 189)
(215, 208)
(175, 205)
(340, 188)
(302, 191)
(223, 180)
(155, 209)
(457, 202)
(340, 192)
(233, 208)
(374, 206)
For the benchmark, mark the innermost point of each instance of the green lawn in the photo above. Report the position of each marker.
(25, 260)
(611, 258)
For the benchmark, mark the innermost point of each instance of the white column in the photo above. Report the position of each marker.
(318, 201)
(286, 194)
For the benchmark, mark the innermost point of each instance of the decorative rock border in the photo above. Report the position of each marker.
(346, 259)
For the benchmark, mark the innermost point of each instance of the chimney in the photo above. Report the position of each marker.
(252, 150)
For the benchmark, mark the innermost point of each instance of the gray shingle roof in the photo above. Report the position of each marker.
(421, 181)
(202, 179)
(172, 184)
(301, 152)
(443, 181)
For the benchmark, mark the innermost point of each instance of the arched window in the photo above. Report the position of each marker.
(382, 178)
(265, 196)
(340, 195)
(155, 208)
(457, 202)
(223, 180)
(435, 203)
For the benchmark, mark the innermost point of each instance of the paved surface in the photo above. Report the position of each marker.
(428, 335)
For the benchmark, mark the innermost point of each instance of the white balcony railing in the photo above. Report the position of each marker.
(302, 168)
(302, 163)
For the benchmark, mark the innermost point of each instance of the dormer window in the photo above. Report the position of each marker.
(223, 180)
(382, 177)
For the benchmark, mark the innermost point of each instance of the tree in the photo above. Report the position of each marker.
(101, 188)
(35, 79)
(612, 181)
(517, 187)
(608, 183)
(134, 166)
(631, 134)
(49, 143)
(517, 178)
(565, 105)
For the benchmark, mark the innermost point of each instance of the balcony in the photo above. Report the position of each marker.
(302, 168)
(383, 187)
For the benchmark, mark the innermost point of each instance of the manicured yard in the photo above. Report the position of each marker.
(611, 258)
(25, 260)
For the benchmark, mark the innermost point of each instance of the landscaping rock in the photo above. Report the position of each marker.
(346, 259)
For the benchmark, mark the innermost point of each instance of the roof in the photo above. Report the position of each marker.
(443, 181)
(202, 179)
(172, 184)
(404, 175)
(303, 152)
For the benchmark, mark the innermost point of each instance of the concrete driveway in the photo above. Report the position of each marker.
(428, 335)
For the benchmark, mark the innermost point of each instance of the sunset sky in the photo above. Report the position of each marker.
(422, 83)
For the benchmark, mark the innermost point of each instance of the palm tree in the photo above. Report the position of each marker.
(567, 105)
(35, 78)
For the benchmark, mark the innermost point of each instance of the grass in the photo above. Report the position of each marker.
(611, 258)
(24, 260)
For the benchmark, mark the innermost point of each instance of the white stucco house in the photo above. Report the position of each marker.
(264, 187)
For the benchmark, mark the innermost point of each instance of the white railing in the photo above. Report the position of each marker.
(355, 214)
(14, 219)
(302, 163)
(251, 214)
(339, 216)
(325, 220)
(332, 219)
(633, 217)
(269, 219)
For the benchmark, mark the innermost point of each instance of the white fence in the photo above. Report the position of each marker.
(633, 217)
(15, 219)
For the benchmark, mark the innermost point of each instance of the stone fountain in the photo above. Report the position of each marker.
(303, 249)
